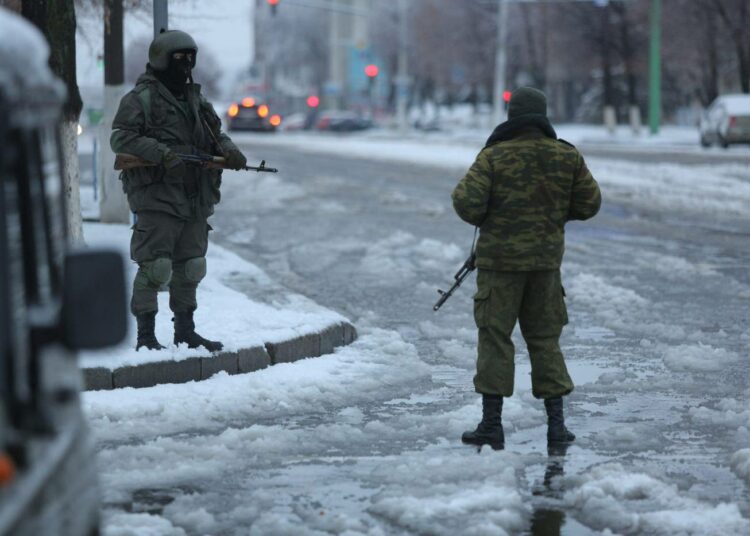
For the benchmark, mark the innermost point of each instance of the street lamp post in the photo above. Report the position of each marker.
(654, 93)
(498, 104)
(161, 16)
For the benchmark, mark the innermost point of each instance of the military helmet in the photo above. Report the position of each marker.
(165, 44)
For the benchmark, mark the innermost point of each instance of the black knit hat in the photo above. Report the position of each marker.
(527, 101)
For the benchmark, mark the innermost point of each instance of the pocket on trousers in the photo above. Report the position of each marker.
(482, 307)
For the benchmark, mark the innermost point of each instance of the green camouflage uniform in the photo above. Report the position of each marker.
(170, 236)
(520, 193)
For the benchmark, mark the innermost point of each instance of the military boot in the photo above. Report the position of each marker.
(184, 331)
(490, 429)
(146, 336)
(556, 430)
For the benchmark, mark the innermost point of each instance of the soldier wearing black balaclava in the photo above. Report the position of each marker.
(163, 116)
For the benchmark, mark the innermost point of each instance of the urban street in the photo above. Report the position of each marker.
(367, 440)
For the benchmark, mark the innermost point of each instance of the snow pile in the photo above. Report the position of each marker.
(741, 464)
(669, 265)
(715, 189)
(401, 255)
(730, 412)
(611, 497)
(631, 437)
(223, 312)
(697, 358)
(612, 304)
(356, 372)
(23, 58)
(118, 523)
(427, 495)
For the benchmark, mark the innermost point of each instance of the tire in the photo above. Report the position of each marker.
(705, 143)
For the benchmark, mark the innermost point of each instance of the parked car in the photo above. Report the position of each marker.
(250, 113)
(726, 121)
(341, 121)
(53, 301)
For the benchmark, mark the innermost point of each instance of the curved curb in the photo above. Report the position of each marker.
(240, 362)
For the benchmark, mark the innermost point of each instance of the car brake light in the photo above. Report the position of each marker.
(7, 469)
(263, 110)
(275, 120)
(233, 110)
(248, 102)
(732, 122)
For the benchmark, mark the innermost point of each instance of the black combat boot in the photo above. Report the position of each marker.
(556, 431)
(146, 335)
(490, 429)
(184, 331)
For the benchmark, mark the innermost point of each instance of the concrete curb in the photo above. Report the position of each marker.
(201, 368)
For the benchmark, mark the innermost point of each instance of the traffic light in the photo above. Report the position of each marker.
(506, 96)
(372, 71)
(273, 4)
(313, 101)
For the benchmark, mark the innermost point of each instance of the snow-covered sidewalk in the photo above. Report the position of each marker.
(225, 312)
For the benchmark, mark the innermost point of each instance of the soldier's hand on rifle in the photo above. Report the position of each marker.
(234, 159)
(173, 165)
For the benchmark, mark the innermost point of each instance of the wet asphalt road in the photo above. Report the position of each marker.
(350, 234)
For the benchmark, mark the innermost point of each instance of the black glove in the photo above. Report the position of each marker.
(174, 167)
(234, 159)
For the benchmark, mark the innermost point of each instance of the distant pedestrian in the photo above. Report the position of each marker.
(523, 187)
(163, 116)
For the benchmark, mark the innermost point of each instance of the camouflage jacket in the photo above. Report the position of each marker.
(149, 122)
(520, 193)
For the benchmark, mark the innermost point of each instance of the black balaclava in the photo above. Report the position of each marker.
(178, 72)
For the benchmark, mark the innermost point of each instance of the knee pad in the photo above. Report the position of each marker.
(158, 271)
(195, 269)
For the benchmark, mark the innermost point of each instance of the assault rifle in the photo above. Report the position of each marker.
(125, 161)
(462, 274)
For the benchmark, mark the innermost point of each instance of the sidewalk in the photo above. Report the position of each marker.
(256, 334)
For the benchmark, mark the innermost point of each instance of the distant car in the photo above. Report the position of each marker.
(341, 121)
(726, 121)
(52, 302)
(250, 113)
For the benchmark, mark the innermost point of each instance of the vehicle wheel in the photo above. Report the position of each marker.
(724, 143)
(705, 142)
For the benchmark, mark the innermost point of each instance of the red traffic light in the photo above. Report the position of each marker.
(273, 2)
(506, 95)
(313, 101)
(372, 70)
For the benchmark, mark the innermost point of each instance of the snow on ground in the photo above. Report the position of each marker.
(420, 490)
(610, 496)
(698, 357)
(223, 313)
(271, 451)
(713, 189)
(400, 255)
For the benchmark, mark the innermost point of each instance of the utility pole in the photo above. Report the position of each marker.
(402, 78)
(161, 16)
(654, 85)
(498, 104)
(113, 207)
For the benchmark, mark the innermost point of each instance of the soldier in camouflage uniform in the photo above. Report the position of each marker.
(165, 114)
(521, 190)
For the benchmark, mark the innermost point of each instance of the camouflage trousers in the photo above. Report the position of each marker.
(169, 251)
(535, 300)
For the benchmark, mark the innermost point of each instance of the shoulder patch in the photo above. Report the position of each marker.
(566, 142)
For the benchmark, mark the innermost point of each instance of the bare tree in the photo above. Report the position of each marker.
(735, 14)
(57, 21)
